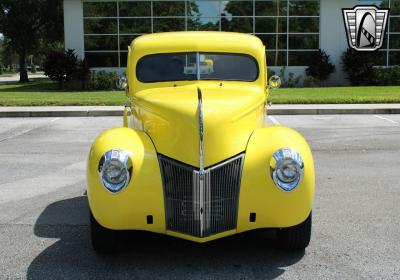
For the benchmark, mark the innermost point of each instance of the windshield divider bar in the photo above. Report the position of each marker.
(198, 66)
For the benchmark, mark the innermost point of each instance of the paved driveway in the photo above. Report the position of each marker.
(44, 213)
(15, 78)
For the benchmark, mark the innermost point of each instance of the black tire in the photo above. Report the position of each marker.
(104, 240)
(296, 237)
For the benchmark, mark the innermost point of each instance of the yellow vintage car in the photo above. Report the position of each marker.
(195, 158)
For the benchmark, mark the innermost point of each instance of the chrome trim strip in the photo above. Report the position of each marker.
(201, 153)
(201, 129)
(223, 163)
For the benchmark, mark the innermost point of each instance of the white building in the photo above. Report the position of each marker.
(101, 30)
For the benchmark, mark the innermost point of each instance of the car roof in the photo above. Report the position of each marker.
(193, 41)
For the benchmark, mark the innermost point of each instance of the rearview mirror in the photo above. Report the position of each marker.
(122, 82)
(274, 82)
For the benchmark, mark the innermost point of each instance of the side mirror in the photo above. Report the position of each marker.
(122, 82)
(274, 82)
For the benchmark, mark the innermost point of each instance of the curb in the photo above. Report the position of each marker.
(335, 111)
(99, 112)
(42, 114)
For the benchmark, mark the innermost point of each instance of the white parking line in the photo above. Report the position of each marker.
(274, 121)
(386, 119)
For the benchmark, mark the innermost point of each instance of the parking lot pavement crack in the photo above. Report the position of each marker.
(26, 131)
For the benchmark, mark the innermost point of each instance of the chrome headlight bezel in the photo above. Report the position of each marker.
(119, 165)
(287, 169)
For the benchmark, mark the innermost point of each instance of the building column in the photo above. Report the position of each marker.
(73, 26)
(333, 35)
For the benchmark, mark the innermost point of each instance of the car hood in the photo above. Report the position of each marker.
(170, 116)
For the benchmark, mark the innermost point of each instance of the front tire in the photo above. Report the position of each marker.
(296, 237)
(104, 240)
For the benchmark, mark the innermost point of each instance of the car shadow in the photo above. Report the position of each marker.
(250, 255)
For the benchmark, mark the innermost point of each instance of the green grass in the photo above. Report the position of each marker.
(336, 95)
(46, 93)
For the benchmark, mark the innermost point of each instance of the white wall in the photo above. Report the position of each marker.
(333, 34)
(73, 26)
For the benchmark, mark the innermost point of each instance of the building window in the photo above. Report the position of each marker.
(389, 54)
(289, 28)
(99, 9)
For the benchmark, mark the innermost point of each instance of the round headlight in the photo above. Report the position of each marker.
(115, 170)
(287, 169)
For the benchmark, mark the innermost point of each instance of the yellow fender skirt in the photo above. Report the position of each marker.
(273, 207)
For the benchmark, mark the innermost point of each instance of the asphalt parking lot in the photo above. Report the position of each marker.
(44, 212)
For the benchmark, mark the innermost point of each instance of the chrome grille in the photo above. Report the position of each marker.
(201, 204)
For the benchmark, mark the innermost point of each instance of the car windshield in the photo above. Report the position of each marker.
(196, 66)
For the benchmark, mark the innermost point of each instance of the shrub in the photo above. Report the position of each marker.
(102, 80)
(309, 81)
(65, 68)
(358, 67)
(54, 66)
(320, 66)
(291, 81)
(71, 63)
(387, 76)
(79, 78)
(82, 71)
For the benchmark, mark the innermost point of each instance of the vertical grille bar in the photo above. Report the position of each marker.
(201, 209)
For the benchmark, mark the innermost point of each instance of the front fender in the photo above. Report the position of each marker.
(142, 197)
(273, 207)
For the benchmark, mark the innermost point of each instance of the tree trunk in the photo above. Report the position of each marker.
(23, 74)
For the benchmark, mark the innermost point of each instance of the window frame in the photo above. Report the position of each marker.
(253, 17)
(198, 75)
